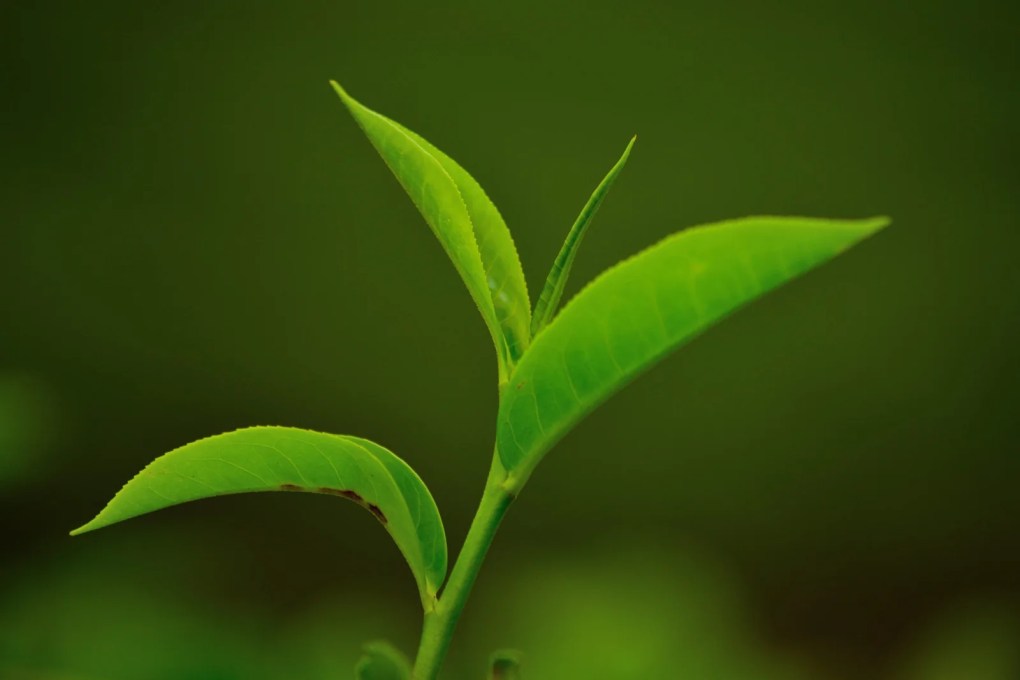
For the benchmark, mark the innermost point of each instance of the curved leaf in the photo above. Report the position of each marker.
(549, 299)
(382, 661)
(636, 312)
(507, 287)
(291, 459)
(448, 212)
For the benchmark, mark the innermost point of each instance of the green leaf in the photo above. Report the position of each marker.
(464, 220)
(549, 299)
(505, 664)
(504, 274)
(382, 661)
(291, 459)
(636, 312)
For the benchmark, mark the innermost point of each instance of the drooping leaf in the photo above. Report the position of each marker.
(382, 661)
(505, 664)
(549, 299)
(448, 201)
(636, 312)
(291, 459)
(502, 265)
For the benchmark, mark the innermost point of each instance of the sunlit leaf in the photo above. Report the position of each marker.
(465, 222)
(499, 254)
(636, 312)
(291, 459)
(549, 299)
(382, 661)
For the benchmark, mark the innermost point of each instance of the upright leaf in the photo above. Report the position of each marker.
(639, 310)
(505, 276)
(291, 459)
(382, 661)
(549, 299)
(465, 222)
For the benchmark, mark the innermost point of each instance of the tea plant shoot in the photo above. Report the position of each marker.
(554, 365)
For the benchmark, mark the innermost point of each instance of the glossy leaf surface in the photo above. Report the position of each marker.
(382, 661)
(504, 274)
(636, 312)
(549, 299)
(463, 219)
(291, 459)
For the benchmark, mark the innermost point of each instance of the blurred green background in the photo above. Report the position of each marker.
(197, 238)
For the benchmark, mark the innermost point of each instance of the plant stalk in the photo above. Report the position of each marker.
(441, 620)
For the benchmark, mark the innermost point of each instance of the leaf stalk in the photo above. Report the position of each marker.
(441, 619)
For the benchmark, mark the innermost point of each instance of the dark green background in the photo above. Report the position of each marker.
(196, 237)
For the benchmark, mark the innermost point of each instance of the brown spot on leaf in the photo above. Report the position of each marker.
(520, 385)
(356, 497)
(290, 487)
(344, 493)
(374, 509)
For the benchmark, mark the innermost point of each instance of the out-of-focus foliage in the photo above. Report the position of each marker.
(970, 641)
(642, 614)
(382, 661)
(631, 616)
(28, 424)
(505, 665)
(78, 619)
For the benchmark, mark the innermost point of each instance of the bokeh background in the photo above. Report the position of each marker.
(196, 237)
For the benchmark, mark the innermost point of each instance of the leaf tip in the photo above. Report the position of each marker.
(854, 231)
(879, 222)
(347, 99)
(872, 225)
(626, 152)
(95, 523)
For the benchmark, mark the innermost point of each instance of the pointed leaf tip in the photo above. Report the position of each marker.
(285, 459)
(339, 88)
(878, 223)
(862, 229)
(552, 291)
(636, 312)
(465, 222)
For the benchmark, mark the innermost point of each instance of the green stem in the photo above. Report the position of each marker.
(441, 620)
